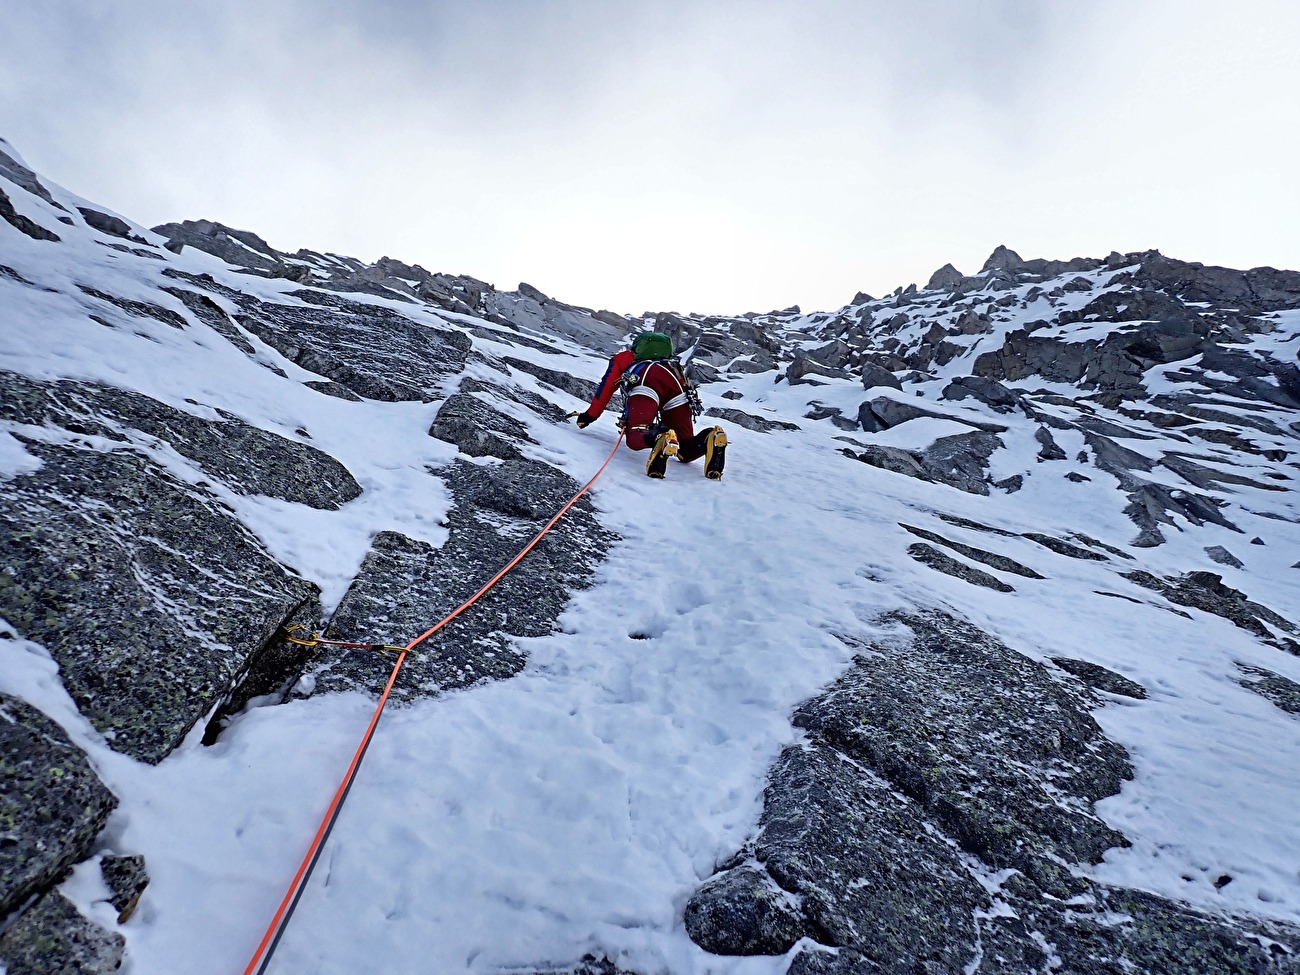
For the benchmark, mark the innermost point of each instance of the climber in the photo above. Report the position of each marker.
(660, 402)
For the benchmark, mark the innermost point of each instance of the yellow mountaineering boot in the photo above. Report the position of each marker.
(715, 453)
(665, 447)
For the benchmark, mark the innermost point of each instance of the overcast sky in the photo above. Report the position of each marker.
(695, 156)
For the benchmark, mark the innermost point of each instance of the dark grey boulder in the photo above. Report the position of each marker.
(944, 279)
(990, 392)
(331, 388)
(1221, 555)
(935, 334)
(17, 173)
(24, 225)
(756, 335)
(749, 421)
(1211, 478)
(376, 353)
(207, 311)
(246, 459)
(870, 875)
(1088, 363)
(502, 393)
(126, 879)
(1097, 544)
(127, 576)
(478, 429)
(973, 525)
(1062, 547)
(971, 322)
(720, 348)
(961, 460)
(894, 459)
(1100, 678)
(242, 248)
(958, 461)
(1003, 258)
(535, 314)
(1151, 328)
(1152, 504)
(1256, 390)
(54, 938)
(1207, 592)
(743, 912)
(1253, 291)
(405, 585)
(890, 412)
(804, 369)
(999, 562)
(52, 804)
(1050, 450)
(877, 375)
(867, 418)
(106, 223)
(985, 740)
(1234, 362)
(931, 556)
(932, 763)
(582, 389)
(746, 365)
(1281, 691)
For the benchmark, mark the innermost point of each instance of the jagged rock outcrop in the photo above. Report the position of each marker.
(23, 224)
(54, 938)
(987, 391)
(123, 573)
(885, 412)
(1281, 691)
(126, 879)
(960, 460)
(52, 803)
(244, 458)
(929, 766)
(1206, 591)
(405, 585)
(749, 421)
(1000, 562)
(942, 562)
(376, 353)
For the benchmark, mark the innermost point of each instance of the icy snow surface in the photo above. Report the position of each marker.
(574, 808)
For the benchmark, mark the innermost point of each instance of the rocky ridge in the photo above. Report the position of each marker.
(1165, 390)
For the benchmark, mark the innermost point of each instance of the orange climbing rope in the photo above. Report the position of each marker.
(262, 957)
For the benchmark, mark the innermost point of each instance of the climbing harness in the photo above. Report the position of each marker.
(262, 956)
(629, 385)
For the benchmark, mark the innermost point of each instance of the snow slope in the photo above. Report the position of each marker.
(573, 809)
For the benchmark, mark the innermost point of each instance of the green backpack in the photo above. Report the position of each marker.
(652, 345)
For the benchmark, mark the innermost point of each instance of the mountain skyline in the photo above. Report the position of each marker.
(709, 158)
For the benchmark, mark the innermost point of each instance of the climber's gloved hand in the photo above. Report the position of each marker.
(585, 419)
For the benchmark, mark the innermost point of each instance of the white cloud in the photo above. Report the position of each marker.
(699, 156)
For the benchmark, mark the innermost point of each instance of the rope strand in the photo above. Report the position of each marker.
(262, 956)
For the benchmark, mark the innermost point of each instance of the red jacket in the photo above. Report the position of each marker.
(657, 381)
(618, 365)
